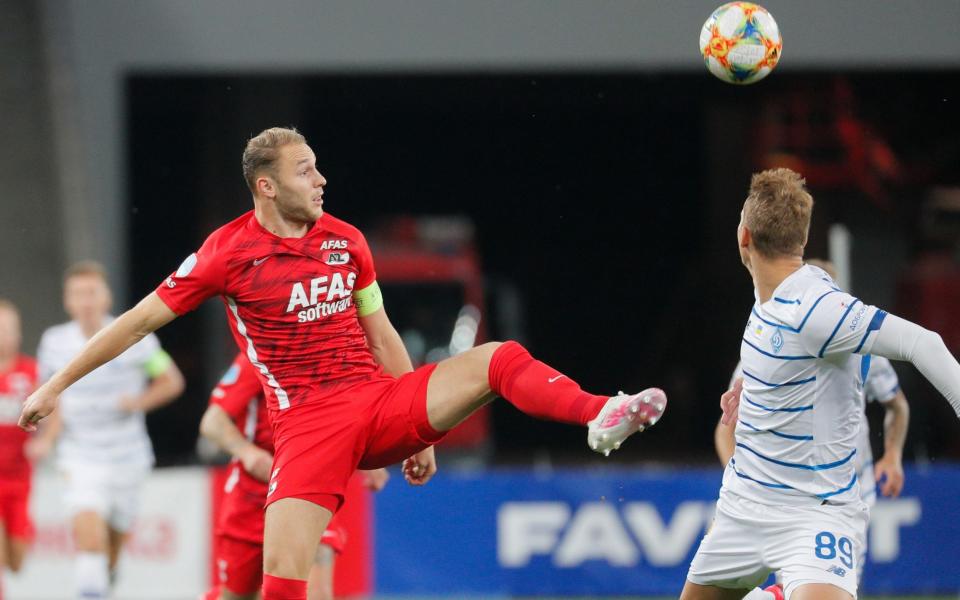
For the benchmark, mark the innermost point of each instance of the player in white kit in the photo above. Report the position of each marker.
(790, 499)
(882, 386)
(102, 445)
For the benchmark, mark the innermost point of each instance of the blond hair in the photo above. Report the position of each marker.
(85, 267)
(777, 212)
(263, 150)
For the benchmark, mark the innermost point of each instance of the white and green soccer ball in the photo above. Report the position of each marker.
(740, 43)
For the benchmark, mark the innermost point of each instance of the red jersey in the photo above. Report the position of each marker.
(289, 304)
(16, 384)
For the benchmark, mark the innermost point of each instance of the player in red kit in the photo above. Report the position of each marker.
(18, 377)
(237, 422)
(303, 304)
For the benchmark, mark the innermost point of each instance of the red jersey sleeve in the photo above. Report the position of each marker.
(202, 275)
(367, 274)
(237, 386)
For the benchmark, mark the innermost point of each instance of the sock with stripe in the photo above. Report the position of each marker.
(538, 389)
(278, 588)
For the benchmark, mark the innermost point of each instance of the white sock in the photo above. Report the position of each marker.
(758, 594)
(92, 575)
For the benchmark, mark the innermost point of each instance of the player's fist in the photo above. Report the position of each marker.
(730, 402)
(39, 405)
(889, 474)
(376, 479)
(419, 468)
(257, 462)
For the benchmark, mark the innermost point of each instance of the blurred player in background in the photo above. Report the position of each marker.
(883, 386)
(790, 499)
(102, 444)
(18, 378)
(237, 422)
(303, 303)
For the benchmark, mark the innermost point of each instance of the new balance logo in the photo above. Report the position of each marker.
(838, 571)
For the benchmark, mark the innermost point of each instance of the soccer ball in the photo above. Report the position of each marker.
(740, 43)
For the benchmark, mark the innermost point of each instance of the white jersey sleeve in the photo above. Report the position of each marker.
(882, 383)
(840, 324)
(47, 363)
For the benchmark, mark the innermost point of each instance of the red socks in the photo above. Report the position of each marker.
(278, 588)
(539, 390)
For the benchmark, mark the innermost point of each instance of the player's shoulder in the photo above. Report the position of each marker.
(796, 298)
(340, 227)
(26, 364)
(59, 332)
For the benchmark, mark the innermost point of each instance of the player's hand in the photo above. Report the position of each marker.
(889, 474)
(730, 402)
(419, 468)
(376, 479)
(38, 448)
(38, 405)
(257, 462)
(129, 404)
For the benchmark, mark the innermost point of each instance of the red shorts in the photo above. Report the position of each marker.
(14, 512)
(371, 425)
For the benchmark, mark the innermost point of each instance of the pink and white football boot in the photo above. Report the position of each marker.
(622, 416)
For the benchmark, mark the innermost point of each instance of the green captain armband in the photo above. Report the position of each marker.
(368, 300)
(158, 362)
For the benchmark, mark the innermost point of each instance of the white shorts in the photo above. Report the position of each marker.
(111, 492)
(806, 544)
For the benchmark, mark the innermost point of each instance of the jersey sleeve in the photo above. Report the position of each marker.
(838, 324)
(201, 275)
(152, 357)
(237, 386)
(367, 274)
(47, 364)
(882, 382)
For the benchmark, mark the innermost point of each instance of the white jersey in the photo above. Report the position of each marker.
(95, 430)
(801, 408)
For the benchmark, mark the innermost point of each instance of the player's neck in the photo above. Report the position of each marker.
(6, 362)
(272, 221)
(769, 273)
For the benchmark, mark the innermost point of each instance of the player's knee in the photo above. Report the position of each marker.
(486, 351)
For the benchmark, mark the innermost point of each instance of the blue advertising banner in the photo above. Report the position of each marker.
(611, 532)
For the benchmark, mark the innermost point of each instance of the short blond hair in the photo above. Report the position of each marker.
(85, 267)
(777, 212)
(263, 150)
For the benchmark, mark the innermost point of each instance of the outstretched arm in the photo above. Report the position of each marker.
(217, 426)
(889, 469)
(128, 329)
(899, 339)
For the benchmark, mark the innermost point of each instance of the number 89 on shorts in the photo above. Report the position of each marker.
(828, 546)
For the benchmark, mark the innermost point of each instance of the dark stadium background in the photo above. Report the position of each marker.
(609, 200)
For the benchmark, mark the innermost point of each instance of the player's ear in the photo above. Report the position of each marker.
(265, 187)
(744, 237)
